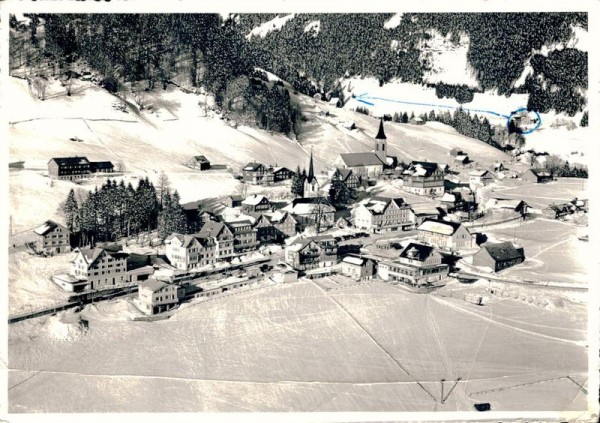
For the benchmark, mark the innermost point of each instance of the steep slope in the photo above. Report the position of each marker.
(162, 138)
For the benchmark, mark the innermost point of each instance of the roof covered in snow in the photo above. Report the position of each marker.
(254, 200)
(46, 227)
(439, 226)
(503, 251)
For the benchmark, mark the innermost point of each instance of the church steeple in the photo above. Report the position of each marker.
(381, 134)
(381, 144)
(311, 186)
(311, 170)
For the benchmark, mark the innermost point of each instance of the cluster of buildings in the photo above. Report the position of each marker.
(422, 261)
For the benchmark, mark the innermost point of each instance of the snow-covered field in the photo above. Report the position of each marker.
(299, 348)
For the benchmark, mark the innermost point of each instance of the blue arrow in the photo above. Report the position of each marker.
(362, 98)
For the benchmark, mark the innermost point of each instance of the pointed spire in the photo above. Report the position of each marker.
(311, 171)
(381, 134)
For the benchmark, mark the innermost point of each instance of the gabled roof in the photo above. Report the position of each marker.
(361, 159)
(448, 198)
(102, 165)
(252, 166)
(439, 226)
(90, 255)
(153, 285)
(416, 251)
(345, 174)
(423, 168)
(503, 251)
(379, 205)
(357, 261)
(540, 172)
(480, 173)
(212, 229)
(255, 200)
(201, 159)
(46, 227)
(70, 161)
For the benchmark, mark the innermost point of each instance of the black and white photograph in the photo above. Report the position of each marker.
(305, 212)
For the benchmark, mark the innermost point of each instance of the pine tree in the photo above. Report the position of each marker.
(584, 120)
(297, 187)
(337, 190)
(71, 213)
(404, 118)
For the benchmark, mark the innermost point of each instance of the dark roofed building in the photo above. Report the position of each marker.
(556, 211)
(102, 167)
(498, 256)
(258, 174)
(200, 162)
(537, 176)
(69, 168)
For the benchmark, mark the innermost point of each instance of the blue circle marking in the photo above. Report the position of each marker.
(524, 109)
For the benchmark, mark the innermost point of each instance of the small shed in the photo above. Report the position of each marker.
(201, 163)
(336, 101)
(417, 121)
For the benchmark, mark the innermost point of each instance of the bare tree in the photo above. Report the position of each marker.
(164, 186)
(120, 166)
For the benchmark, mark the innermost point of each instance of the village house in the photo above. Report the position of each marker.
(310, 211)
(368, 164)
(223, 238)
(381, 215)
(284, 273)
(416, 265)
(537, 176)
(450, 201)
(557, 211)
(187, 252)
(265, 231)
(244, 236)
(451, 236)
(480, 178)
(348, 177)
(581, 205)
(284, 222)
(102, 167)
(508, 206)
(73, 168)
(233, 201)
(100, 267)
(157, 296)
(256, 204)
(358, 268)
(498, 256)
(200, 163)
(424, 178)
(416, 121)
(312, 253)
(52, 238)
(336, 102)
(281, 173)
(257, 174)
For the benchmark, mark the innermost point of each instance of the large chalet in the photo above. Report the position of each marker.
(498, 256)
(417, 265)
(451, 236)
(73, 168)
(380, 215)
(52, 238)
(424, 178)
(100, 267)
(312, 253)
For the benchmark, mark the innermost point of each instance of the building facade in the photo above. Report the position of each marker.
(100, 267)
(381, 215)
(424, 178)
(498, 256)
(52, 238)
(358, 268)
(450, 236)
(156, 296)
(312, 253)
(417, 265)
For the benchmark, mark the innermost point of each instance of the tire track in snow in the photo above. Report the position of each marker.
(504, 325)
(377, 343)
